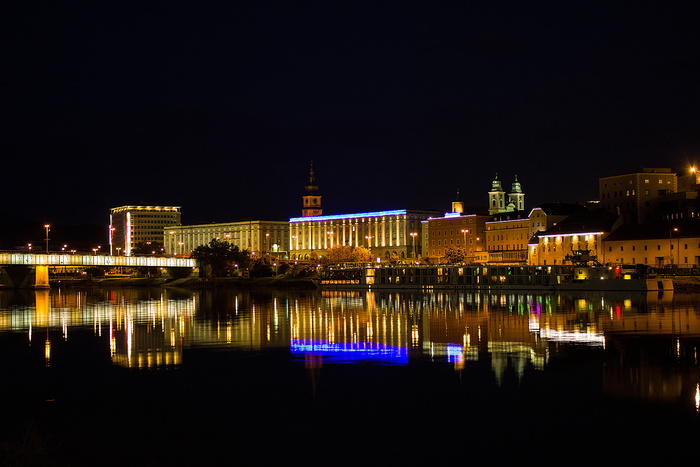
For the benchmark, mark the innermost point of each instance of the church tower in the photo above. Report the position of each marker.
(458, 205)
(497, 197)
(516, 197)
(311, 200)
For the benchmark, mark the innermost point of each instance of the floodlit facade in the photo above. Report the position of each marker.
(506, 238)
(659, 245)
(583, 231)
(457, 231)
(257, 236)
(500, 201)
(129, 225)
(387, 234)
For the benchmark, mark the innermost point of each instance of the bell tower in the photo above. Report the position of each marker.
(497, 197)
(457, 204)
(311, 200)
(516, 197)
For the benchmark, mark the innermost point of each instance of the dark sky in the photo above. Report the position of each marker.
(219, 107)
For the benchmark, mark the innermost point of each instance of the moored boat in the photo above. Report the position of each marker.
(552, 278)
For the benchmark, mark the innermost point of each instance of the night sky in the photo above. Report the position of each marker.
(219, 107)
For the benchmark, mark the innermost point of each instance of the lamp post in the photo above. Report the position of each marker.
(464, 233)
(369, 241)
(413, 240)
(111, 239)
(330, 239)
(47, 227)
(670, 244)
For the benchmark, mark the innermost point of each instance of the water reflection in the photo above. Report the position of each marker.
(648, 343)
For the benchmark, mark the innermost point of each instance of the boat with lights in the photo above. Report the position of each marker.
(493, 277)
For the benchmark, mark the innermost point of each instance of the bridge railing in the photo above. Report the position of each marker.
(57, 259)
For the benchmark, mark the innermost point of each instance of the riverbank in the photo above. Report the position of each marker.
(681, 284)
(188, 282)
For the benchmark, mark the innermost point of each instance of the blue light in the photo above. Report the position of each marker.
(452, 214)
(349, 352)
(396, 212)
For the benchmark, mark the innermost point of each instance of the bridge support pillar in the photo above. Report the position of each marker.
(41, 276)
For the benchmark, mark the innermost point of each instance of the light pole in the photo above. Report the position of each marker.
(465, 232)
(369, 241)
(47, 227)
(111, 239)
(330, 239)
(413, 240)
(670, 244)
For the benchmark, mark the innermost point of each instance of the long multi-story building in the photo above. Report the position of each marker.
(257, 236)
(129, 225)
(387, 234)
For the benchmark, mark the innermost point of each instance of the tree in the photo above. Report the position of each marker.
(454, 255)
(220, 257)
(347, 254)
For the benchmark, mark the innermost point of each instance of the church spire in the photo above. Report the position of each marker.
(311, 187)
(457, 204)
(311, 201)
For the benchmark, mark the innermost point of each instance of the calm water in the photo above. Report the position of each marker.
(179, 377)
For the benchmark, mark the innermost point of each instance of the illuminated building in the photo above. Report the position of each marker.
(387, 234)
(657, 245)
(582, 231)
(506, 238)
(457, 231)
(129, 225)
(637, 196)
(499, 201)
(260, 237)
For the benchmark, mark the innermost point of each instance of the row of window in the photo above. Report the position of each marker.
(658, 247)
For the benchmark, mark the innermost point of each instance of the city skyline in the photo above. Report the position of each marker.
(219, 108)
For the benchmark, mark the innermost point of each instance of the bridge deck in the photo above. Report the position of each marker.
(58, 259)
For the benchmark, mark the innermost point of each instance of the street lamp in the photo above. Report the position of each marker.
(330, 234)
(465, 232)
(369, 241)
(670, 245)
(413, 240)
(47, 227)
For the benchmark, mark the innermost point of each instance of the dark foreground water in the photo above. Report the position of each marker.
(177, 377)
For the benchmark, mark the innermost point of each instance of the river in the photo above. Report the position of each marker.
(165, 376)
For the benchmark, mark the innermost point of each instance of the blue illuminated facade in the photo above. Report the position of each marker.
(386, 233)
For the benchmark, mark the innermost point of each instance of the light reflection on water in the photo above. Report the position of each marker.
(515, 331)
(474, 356)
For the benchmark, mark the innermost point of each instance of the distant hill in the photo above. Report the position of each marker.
(17, 232)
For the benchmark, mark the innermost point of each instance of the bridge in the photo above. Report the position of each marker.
(32, 270)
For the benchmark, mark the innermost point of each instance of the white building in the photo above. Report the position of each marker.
(259, 237)
(129, 225)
